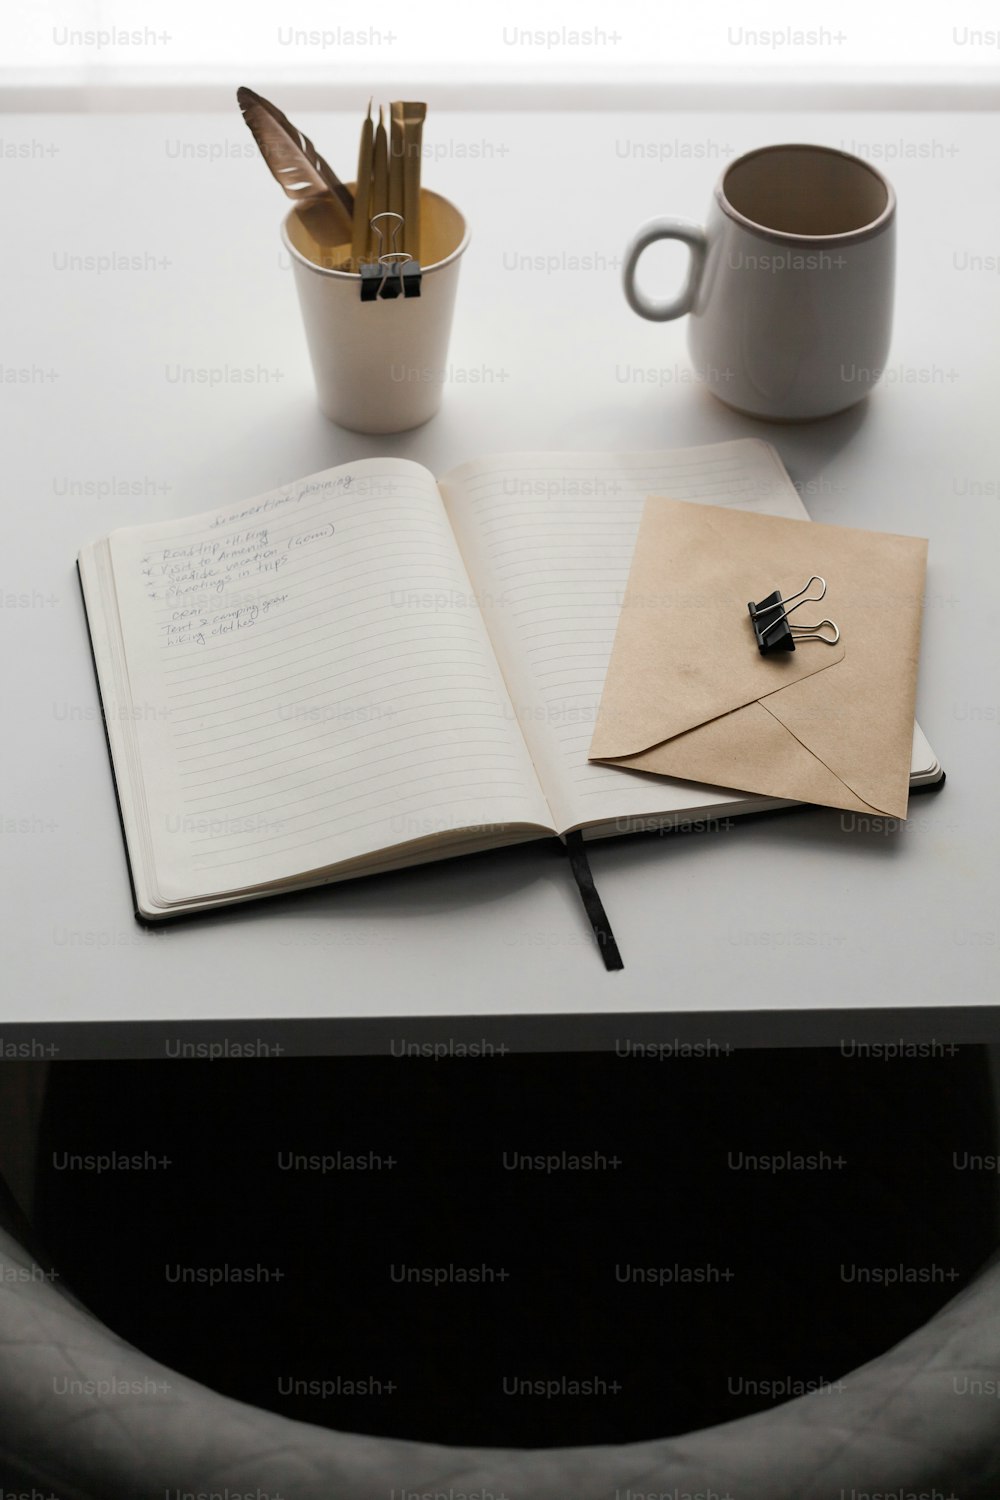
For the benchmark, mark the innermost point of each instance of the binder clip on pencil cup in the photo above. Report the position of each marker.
(394, 270)
(773, 631)
(383, 238)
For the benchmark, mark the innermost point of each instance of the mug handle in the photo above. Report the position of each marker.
(691, 235)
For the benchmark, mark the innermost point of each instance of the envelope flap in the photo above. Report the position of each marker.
(684, 650)
(859, 720)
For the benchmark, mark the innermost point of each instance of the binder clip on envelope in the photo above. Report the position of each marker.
(774, 631)
(686, 695)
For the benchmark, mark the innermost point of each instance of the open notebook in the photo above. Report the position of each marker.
(372, 668)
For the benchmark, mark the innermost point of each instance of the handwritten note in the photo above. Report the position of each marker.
(314, 703)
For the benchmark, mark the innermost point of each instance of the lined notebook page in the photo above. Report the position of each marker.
(312, 682)
(549, 540)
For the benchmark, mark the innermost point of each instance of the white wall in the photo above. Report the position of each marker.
(182, 53)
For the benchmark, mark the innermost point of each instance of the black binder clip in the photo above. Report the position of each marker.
(393, 271)
(411, 278)
(774, 631)
(391, 284)
(372, 275)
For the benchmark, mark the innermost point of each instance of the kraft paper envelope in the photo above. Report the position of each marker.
(688, 694)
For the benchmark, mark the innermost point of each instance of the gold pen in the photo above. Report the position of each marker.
(397, 164)
(413, 129)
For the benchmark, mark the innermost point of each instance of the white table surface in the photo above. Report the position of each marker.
(796, 916)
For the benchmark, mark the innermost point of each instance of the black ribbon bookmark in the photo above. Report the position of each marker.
(592, 903)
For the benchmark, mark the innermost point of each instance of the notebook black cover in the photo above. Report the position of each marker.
(256, 901)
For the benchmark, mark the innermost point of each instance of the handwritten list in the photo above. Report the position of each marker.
(318, 660)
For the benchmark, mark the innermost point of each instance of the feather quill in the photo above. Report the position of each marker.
(292, 158)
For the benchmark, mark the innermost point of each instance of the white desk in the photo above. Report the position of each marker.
(791, 915)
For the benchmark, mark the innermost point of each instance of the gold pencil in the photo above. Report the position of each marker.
(380, 184)
(362, 191)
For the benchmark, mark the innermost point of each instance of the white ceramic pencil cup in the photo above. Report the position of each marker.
(380, 366)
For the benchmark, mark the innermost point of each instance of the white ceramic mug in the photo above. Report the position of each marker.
(380, 366)
(790, 282)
